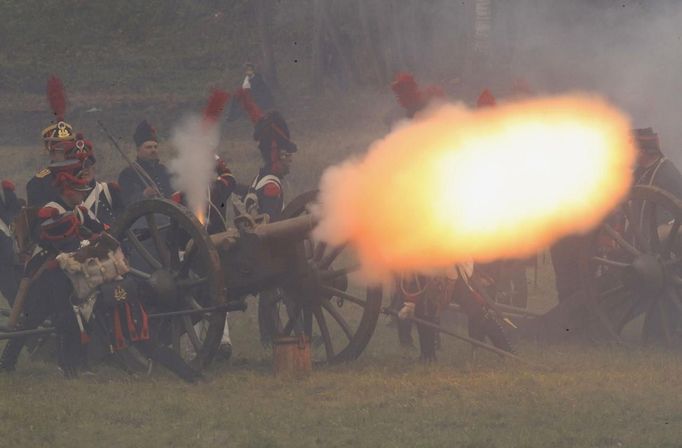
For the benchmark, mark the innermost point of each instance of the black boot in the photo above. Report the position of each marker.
(10, 355)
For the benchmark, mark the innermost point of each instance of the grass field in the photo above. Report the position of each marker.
(586, 396)
(589, 396)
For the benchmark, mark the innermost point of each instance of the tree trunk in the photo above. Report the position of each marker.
(482, 32)
(372, 42)
(344, 53)
(264, 22)
(318, 36)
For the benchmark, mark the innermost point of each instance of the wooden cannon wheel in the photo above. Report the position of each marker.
(634, 270)
(332, 307)
(170, 251)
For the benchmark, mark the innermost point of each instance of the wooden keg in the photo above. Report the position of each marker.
(291, 356)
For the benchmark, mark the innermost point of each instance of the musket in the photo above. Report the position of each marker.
(141, 173)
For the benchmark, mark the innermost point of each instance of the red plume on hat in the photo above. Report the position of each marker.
(407, 91)
(56, 97)
(247, 103)
(410, 97)
(486, 99)
(216, 105)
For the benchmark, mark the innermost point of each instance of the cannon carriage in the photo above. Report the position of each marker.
(192, 279)
(629, 278)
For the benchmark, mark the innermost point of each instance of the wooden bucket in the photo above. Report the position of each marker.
(291, 356)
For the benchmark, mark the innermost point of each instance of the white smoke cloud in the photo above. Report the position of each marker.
(193, 168)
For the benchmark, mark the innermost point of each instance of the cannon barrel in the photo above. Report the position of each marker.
(293, 229)
(289, 229)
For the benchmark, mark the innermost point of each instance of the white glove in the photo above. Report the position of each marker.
(406, 311)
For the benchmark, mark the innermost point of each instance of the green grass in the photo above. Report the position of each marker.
(591, 397)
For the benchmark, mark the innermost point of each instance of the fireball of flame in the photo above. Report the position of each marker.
(455, 184)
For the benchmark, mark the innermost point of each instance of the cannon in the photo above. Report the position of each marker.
(630, 278)
(192, 279)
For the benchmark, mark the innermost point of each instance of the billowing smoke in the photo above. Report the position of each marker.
(194, 166)
(627, 50)
(456, 184)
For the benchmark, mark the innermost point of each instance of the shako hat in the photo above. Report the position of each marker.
(59, 130)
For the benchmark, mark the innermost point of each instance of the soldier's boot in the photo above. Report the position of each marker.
(10, 355)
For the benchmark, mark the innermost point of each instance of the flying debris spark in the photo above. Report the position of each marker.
(456, 184)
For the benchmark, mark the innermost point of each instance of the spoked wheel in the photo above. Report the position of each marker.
(171, 253)
(330, 305)
(635, 276)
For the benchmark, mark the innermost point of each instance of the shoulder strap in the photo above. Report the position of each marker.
(266, 180)
(53, 204)
(4, 228)
(92, 199)
(655, 172)
(107, 194)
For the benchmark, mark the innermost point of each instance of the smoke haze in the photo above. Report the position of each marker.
(193, 168)
(628, 51)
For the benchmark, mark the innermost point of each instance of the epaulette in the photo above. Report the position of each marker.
(227, 179)
(272, 190)
(43, 173)
(8, 185)
(176, 197)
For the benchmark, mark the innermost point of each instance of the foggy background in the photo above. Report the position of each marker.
(126, 59)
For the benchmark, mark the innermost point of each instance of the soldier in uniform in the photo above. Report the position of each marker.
(413, 99)
(265, 197)
(653, 168)
(133, 188)
(9, 268)
(64, 224)
(260, 92)
(40, 188)
(104, 199)
(220, 190)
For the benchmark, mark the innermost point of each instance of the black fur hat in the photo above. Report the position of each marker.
(273, 127)
(144, 133)
(647, 140)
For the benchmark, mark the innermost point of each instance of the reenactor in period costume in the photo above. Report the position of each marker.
(409, 286)
(63, 225)
(426, 297)
(9, 268)
(265, 196)
(259, 90)
(133, 188)
(70, 236)
(652, 169)
(40, 188)
(219, 193)
(104, 199)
